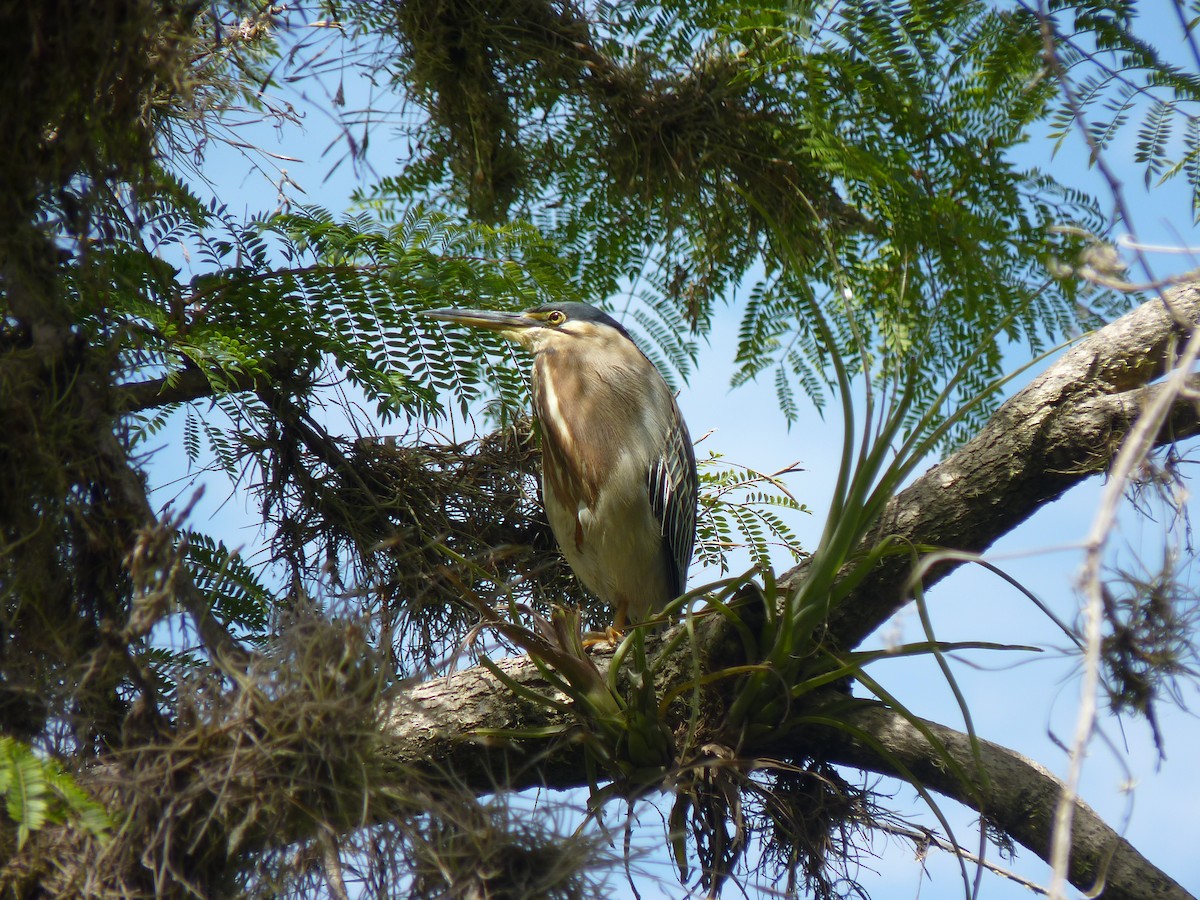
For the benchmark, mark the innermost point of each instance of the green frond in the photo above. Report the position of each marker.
(38, 791)
(738, 510)
(1119, 80)
(234, 588)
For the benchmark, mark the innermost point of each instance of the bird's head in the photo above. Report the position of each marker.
(540, 327)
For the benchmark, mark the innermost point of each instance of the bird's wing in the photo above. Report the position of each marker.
(673, 487)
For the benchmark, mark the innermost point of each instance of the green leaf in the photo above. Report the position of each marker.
(38, 791)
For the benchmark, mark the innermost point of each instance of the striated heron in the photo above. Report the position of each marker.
(618, 470)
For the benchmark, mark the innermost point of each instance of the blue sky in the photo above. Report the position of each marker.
(1030, 706)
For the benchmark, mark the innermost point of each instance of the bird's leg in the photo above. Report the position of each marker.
(616, 630)
(611, 635)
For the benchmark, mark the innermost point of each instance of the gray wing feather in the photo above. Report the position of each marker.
(673, 487)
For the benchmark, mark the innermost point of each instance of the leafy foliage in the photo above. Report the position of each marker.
(324, 293)
(238, 595)
(694, 144)
(37, 791)
(737, 502)
(1118, 78)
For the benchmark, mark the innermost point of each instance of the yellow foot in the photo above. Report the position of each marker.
(610, 635)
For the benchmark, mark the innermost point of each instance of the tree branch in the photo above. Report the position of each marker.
(1061, 429)
(182, 387)
(1019, 795)
(443, 724)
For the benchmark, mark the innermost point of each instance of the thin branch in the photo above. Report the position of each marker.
(924, 838)
(1137, 446)
(1050, 55)
(182, 387)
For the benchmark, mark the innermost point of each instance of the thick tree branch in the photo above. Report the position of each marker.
(1015, 794)
(443, 724)
(1061, 429)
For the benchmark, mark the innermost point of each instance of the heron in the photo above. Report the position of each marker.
(619, 480)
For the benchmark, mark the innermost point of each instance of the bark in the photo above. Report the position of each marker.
(1064, 427)
(181, 387)
(436, 727)
(1017, 795)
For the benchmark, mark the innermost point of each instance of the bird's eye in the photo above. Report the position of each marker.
(556, 317)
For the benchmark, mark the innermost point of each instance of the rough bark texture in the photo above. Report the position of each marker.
(1063, 427)
(1019, 796)
(1059, 430)
(438, 723)
(434, 727)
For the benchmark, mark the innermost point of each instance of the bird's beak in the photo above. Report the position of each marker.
(509, 324)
